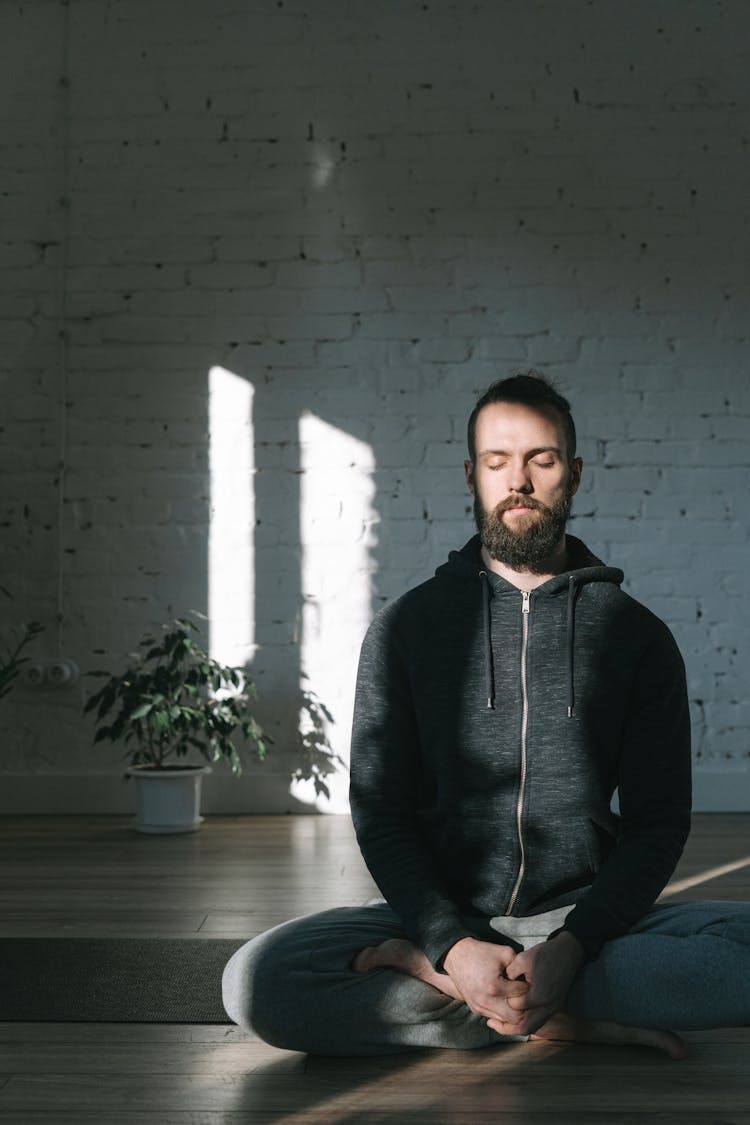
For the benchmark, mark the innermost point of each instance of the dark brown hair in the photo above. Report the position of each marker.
(531, 389)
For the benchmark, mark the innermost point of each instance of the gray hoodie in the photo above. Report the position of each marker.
(491, 729)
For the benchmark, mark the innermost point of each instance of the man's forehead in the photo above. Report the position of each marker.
(530, 451)
(516, 422)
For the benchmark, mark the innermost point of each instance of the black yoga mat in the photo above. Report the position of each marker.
(113, 980)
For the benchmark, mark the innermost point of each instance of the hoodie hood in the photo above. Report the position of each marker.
(584, 568)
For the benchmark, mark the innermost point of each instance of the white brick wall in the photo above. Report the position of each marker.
(368, 211)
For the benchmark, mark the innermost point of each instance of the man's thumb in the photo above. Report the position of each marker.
(516, 968)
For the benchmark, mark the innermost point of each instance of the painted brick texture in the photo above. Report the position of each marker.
(365, 213)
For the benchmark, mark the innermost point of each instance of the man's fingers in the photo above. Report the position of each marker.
(517, 967)
(494, 1008)
(504, 1028)
(533, 998)
(510, 1028)
(513, 988)
(518, 1003)
(529, 1022)
(512, 1020)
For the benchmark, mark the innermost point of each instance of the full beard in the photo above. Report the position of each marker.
(530, 546)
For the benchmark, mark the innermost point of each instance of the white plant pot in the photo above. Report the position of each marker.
(168, 801)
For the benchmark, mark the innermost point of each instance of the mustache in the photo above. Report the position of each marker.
(520, 501)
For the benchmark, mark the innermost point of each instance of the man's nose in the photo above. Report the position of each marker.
(520, 478)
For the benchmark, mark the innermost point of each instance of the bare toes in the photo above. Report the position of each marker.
(365, 960)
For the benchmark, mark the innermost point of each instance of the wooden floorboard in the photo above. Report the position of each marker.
(239, 875)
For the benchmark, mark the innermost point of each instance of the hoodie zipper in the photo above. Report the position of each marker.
(525, 610)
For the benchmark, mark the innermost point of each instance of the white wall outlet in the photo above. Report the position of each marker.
(51, 673)
(62, 673)
(34, 674)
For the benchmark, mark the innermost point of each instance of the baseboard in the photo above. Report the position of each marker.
(262, 792)
(105, 794)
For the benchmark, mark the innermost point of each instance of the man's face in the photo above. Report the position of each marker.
(522, 482)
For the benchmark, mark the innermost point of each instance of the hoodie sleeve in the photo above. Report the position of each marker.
(655, 794)
(385, 794)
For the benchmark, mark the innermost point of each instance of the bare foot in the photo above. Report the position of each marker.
(563, 1027)
(404, 956)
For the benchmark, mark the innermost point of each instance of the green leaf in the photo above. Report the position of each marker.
(159, 722)
(141, 711)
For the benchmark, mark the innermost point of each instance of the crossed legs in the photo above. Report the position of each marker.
(334, 983)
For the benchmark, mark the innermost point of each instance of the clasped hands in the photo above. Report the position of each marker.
(515, 992)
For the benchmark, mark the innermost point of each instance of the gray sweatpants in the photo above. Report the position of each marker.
(683, 966)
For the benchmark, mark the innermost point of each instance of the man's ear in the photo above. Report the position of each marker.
(576, 469)
(469, 471)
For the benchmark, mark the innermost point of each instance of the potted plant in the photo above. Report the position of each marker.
(12, 644)
(171, 700)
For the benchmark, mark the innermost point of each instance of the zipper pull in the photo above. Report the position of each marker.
(526, 601)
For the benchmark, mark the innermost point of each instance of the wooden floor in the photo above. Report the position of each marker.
(238, 876)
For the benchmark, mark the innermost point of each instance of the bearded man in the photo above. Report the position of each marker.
(499, 706)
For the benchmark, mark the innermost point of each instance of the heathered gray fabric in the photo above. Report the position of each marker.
(436, 775)
(683, 965)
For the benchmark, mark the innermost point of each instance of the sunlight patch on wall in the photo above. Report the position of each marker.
(231, 569)
(323, 166)
(337, 533)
